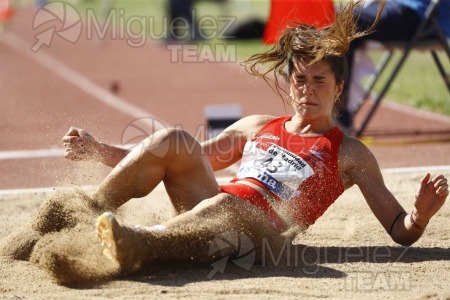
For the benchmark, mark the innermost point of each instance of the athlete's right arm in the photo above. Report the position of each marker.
(222, 151)
(80, 145)
(228, 147)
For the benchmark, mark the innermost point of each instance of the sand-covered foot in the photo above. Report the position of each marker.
(118, 242)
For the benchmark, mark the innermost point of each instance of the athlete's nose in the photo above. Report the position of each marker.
(307, 88)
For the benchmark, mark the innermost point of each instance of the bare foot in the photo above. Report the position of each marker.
(117, 242)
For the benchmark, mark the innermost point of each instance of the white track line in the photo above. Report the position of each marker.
(41, 153)
(46, 190)
(75, 78)
(24, 154)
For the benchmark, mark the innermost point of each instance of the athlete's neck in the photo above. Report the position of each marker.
(301, 126)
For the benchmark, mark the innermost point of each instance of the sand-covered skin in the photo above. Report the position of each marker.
(346, 254)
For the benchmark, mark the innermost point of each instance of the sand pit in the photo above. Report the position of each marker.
(346, 255)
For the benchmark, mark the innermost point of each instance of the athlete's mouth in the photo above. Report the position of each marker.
(307, 103)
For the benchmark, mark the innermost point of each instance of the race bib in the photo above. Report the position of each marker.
(279, 170)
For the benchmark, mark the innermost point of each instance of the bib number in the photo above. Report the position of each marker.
(279, 170)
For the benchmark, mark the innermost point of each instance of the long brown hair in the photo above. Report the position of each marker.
(311, 44)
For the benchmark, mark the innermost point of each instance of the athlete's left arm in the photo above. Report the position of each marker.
(362, 169)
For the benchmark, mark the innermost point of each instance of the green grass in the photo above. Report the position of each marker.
(418, 84)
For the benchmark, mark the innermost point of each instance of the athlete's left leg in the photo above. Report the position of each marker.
(188, 236)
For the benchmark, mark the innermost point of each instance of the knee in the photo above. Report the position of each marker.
(177, 134)
(172, 135)
(170, 141)
(181, 142)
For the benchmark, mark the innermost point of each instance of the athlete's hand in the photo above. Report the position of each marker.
(431, 195)
(80, 145)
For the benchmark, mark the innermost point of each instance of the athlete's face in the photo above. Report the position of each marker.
(314, 89)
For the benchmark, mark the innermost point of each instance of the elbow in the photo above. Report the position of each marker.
(405, 244)
(401, 235)
(403, 241)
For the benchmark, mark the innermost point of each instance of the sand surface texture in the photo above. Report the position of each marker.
(346, 255)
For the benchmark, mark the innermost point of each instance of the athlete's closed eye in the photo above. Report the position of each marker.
(300, 79)
(319, 79)
(303, 79)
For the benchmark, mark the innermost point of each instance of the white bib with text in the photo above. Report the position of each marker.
(278, 169)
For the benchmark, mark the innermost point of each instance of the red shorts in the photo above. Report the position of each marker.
(249, 194)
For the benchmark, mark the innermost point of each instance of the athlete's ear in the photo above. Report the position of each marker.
(339, 89)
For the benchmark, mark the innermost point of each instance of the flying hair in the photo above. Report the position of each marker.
(307, 43)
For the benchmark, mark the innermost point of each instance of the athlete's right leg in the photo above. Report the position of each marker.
(171, 156)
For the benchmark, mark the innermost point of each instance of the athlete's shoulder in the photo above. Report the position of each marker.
(352, 141)
(354, 152)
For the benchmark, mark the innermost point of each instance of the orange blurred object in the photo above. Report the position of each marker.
(6, 10)
(315, 12)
